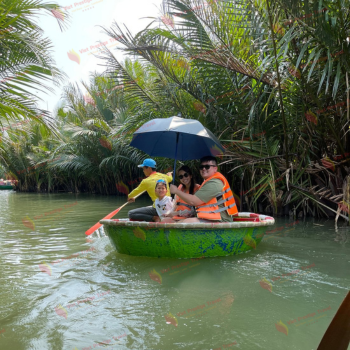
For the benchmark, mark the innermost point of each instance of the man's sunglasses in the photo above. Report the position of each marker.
(182, 176)
(207, 167)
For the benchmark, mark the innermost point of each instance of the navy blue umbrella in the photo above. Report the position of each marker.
(177, 138)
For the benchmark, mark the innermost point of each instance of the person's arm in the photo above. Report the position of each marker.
(175, 204)
(168, 177)
(210, 190)
(140, 188)
(169, 205)
(190, 199)
(173, 209)
(185, 213)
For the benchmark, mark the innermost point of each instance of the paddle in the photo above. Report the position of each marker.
(109, 216)
(337, 335)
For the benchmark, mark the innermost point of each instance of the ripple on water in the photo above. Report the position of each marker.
(52, 280)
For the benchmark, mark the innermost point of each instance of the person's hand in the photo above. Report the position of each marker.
(156, 219)
(173, 189)
(170, 173)
(169, 215)
(131, 200)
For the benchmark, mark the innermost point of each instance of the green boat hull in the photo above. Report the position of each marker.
(184, 240)
(6, 187)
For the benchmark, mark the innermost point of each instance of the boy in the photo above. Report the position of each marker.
(164, 203)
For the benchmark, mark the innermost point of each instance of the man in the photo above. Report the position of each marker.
(149, 185)
(214, 200)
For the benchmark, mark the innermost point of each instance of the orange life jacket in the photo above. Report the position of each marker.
(211, 210)
(182, 205)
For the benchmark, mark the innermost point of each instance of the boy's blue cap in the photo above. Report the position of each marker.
(148, 162)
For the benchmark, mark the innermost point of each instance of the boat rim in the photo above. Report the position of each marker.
(264, 220)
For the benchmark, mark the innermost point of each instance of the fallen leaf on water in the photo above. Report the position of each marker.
(45, 268)
(170, 319)
(155, 276)
(264, 283)
(28, 222)
(61, 311)
(281, 327)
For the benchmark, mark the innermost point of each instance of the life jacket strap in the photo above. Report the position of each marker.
(221, 193)
(185, 205)
(221, 201)
(218, 210)
(224, 200)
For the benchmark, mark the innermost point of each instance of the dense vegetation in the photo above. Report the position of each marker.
(269, 79)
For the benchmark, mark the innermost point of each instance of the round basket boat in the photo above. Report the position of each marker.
(6, 187)
(187, 240)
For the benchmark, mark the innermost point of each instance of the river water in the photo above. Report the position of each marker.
(62, 290)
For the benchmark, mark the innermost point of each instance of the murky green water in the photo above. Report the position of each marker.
(295, 279)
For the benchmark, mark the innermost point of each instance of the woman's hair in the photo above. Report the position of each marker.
(186, 169)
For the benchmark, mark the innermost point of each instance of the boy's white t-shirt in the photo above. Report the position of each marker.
(164, 206)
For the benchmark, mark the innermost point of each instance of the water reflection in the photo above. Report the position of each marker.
(62, 290)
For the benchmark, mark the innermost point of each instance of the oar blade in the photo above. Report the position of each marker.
(110, 215)
(93, 229)
(98, 225)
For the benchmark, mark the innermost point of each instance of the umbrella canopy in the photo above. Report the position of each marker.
(176, 138)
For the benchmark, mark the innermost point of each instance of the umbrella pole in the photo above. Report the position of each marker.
(177, 142)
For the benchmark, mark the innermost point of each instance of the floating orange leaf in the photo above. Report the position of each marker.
(215, 151)
(281, 327)
(183, 64)
(278, 29)
(199, 106)
(122, 188)
(73, 56)
(28, 222)
(58, 14)
(264, 283)
(168, 20)
(295, 72)
(311, 117)
(170, 319)
(45, 268)
(248, 240)
(226, 304)
(107, 144)
(155, 276)
(89, 100)
(328, 163)
(61, 311)
(139, 233)
(344, 206)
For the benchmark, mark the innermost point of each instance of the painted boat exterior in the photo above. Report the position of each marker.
(6, 187)
(185, 240)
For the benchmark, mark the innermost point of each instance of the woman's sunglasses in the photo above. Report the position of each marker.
(207, 167)
(184, 175)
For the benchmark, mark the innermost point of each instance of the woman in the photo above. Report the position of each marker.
(181, 209)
